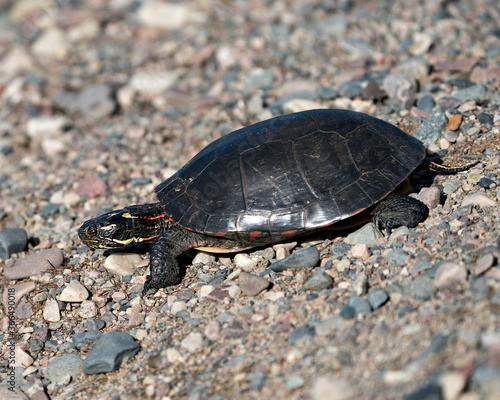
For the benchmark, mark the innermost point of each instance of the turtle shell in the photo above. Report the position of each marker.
(289, 175)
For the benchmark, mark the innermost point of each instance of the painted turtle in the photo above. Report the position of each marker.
(270, 182)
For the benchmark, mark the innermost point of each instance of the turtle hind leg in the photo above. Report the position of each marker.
(399, 210)
(163, 265)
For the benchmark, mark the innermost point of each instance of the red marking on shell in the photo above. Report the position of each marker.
(223, 233)
(254, 234)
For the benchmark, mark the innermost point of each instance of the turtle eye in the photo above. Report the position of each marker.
(91, 231)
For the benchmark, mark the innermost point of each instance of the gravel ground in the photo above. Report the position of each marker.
(101, 101)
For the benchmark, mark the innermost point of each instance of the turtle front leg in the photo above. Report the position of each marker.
(399, 210)
(163, 265)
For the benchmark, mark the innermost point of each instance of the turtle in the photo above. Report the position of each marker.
(271, 182)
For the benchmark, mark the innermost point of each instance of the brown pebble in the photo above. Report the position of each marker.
(252, 285)
(484, 263)
(430, 196)
(91, 186)
(34, 264)
(455, 122)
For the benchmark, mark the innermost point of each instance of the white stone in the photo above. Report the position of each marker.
(177, 306)
(18, 60)
(203, 258)
(39, 128)
(478, 199)
(297, 105)
(328, 387)
(248, 263)
(52, 43)
(192, 342)
(205, 290)
(123, 264)
(452, 384)
(74, 292)
(150, 83)
(159, 14)
(51, 312)
(234, 291)
(174, 356)
(85, 30)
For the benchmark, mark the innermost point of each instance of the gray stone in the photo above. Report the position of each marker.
(109, 352)
(62, 367)
(430, 131)
(397, 258)
(451, 186)
(368, 234)
(360, 305)
(12, 240)
(426, 103)
(340, 249)
(318, 281)
(430, 392)
(347, 312)
(400, 86)
(252, 285)
(421, 287)
(86, 339)
(377, 298)
(306, 258)
(477, 93)
(301, 334)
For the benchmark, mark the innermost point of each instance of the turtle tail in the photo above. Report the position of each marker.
(447, 169)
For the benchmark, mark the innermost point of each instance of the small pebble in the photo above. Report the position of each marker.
(192, 342)
(329, 387)
(478, 199)
(484, 263)
(426, 103)
(91, 186)
(430, 196)
(86, 340)
(360, 305)
(203, 258)
(301, 334)
(455, 122)
(377, 298)
(450, 274)
(212, 330)
(361, 251)
(12, 240)
(430, 392)
(123, 264)
(452, 384)
(74, 292)
(109, 352)
(368, 234)
(34, 264)
(252, 285)
(477, 93)
(397, 258)
(248, 263)
(306, 258)
(486, 183)
(318, 281)
(51, 312)
(62, 369)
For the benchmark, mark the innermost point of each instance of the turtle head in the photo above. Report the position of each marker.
(108, 231)
(139, 223)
